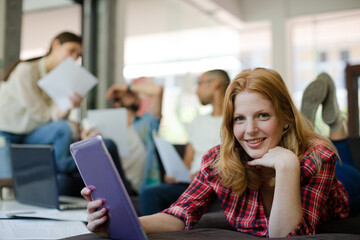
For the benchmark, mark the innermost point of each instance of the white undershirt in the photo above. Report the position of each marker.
(204, 133)
(134, 164)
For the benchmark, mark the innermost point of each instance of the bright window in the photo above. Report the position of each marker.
(324, 43)
(176, 59)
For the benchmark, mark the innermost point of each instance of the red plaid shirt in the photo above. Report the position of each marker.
(323, 197)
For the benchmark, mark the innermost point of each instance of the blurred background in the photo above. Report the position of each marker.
(173, 41)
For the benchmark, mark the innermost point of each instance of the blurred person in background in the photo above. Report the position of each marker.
(203, 132)
(27, 114)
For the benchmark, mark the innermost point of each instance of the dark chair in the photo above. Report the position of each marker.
(354, 142)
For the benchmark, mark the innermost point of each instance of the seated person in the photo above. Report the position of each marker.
(204, 133)
(265, 142)
(27, 114)
(141, 167)
(323, 91)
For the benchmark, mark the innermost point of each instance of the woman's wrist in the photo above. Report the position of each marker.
(292, 163)
(63, 115)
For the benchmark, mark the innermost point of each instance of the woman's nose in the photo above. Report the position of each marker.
(251, 127)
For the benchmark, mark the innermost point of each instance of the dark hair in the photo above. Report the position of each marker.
(66, 37)
(222, 76)
(62, 37)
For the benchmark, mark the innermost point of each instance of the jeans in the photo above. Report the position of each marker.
(57, 133)
(348, 174)
(154, 199)
(5, 163)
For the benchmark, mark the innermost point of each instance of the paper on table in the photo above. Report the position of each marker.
(173, 164)
(54, 214)
(111, 123)
(64, 80)
(40, 229)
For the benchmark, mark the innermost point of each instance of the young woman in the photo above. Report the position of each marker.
(273, 175)
(27, 114)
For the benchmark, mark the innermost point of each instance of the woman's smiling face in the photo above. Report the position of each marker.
(256, 126)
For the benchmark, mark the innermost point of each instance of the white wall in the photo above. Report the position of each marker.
(278, 12)
(155, 16)
(2, 29)
(256, 10)
(40, 27)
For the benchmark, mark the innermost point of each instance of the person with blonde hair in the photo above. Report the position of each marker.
(273, 175)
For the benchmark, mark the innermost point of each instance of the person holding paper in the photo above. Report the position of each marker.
(274, 176)
(204, 133)
(141, 167)
(27, 114)
(71, 186)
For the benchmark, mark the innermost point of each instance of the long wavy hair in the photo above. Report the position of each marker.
(63, 37)
(232, 164)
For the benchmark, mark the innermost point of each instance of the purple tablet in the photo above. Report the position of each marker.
(97, 168)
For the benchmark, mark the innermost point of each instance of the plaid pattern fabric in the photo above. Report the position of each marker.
(323, 197)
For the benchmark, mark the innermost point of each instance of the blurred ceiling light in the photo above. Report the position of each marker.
(218, 13)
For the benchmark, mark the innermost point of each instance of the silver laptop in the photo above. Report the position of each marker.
(35, 181)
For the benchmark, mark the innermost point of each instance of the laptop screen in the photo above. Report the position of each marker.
(34, 174)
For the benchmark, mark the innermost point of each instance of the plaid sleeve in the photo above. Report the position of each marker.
(197, 197)
(315, 188)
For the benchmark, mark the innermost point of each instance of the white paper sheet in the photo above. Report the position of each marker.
(64, 80)
(111, 123)
(54, 214)
(173, 164)
(40, 229)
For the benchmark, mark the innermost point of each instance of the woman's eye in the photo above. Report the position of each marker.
(238, 119)
(264, 115)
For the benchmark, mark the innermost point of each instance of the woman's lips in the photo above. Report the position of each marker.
(254, 143)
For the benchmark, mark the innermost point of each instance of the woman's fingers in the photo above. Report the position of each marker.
(275, 157)
(88, 133)
(94, 211)
(95, 225)
(97, 215)
(93, 206)
(86, 192)
(76, 100)
(78, 96)
(259, 163)
(96, 219)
